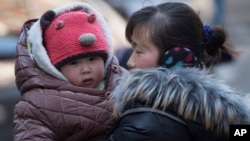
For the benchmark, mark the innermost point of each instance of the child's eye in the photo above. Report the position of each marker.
(73, 62)
(92, 58)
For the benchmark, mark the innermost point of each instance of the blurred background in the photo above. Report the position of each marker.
(233, 15)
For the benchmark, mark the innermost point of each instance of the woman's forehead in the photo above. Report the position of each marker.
(141, 33)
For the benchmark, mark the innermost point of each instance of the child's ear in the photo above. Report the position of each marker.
(47, 18)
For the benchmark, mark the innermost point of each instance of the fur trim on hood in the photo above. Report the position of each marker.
(192, 94)
(36, 47)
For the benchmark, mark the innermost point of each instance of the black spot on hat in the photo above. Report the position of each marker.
(47, 18)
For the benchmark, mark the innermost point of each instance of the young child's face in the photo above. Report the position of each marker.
(85, 72)
(144, 55)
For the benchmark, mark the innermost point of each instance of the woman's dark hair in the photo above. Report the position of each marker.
(175, 24)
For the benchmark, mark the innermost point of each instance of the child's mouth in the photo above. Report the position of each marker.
(87, 82)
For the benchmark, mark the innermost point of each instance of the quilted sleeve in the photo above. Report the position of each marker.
(29, 124)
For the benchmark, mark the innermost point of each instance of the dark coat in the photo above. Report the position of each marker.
(178, 105)
(51, 109)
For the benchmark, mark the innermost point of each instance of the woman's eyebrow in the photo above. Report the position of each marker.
(133, 44)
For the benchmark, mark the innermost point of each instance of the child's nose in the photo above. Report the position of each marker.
(85, 68)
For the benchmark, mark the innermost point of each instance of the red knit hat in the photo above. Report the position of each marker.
(74, 34)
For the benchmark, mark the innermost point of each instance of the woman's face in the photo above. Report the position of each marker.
(145, 54)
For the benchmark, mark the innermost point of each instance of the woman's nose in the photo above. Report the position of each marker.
(131, 62)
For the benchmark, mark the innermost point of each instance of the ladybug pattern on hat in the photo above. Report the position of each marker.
(69, 32)
(72, 34)
(181, 57)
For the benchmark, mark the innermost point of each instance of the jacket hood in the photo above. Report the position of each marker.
(28, 76)
(36, 47)
(192, 94)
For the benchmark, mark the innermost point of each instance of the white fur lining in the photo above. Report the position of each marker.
(39, 54)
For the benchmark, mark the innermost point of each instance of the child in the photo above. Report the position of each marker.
(65, 71)
(171, 35)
